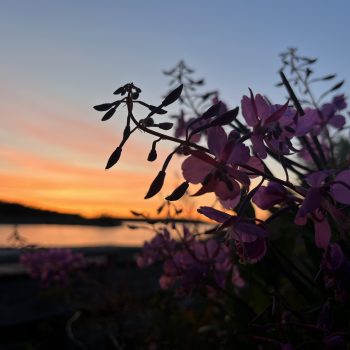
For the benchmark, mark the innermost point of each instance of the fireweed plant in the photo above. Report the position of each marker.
(282, 282)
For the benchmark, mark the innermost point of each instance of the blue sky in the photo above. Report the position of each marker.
(59, 58)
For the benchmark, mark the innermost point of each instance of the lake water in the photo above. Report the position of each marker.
(77, 236)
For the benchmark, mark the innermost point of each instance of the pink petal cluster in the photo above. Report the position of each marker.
(52, 266)
(250, 239)
(190, 263)
(223, 174)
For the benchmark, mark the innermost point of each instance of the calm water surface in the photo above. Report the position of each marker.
(77, 236)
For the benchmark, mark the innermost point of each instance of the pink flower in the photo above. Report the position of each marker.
(268, 196)
(336, 269)
(340, 187)
(250, 239)
(269, 124)
(316, 204)
(51, 266)
(222, 174)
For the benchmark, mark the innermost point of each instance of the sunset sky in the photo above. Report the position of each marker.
(60, 58)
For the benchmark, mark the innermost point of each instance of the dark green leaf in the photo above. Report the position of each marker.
(178, 192)
(156, 185)
(113, 159)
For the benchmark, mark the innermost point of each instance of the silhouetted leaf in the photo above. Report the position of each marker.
(169, 72)
(120, 90)
(160, 209)
(149, 121)
(104, 107)
(329, 77)
(135, 95)
(173, 96)
(152, 155)
(165, 126)
(137, 89)
(109, 114)
(225, 118)
(113, 159)
(126, 132)
(157, 109)
(156, 185)
(212, 111)
(308, 72)
(178, 192)
(337, 86)
(135, 213)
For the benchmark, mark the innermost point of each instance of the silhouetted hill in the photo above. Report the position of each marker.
(13, 213)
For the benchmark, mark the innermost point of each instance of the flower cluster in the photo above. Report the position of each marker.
(304, 229)
(52, 266)
(190, 263)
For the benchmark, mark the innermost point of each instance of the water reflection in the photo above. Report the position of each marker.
(76, 236)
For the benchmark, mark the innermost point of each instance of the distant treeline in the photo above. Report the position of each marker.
(13, 213)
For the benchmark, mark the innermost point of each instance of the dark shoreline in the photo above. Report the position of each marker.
(18, 214)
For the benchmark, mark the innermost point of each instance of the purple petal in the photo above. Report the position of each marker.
(252, 252)
(327, 111)
(276, 115)
(322, 233)
(212, 248)
(248, 111)
(213, 214)
(316, 179)
(340, 192)
(230, 203)
(217, 140)
(339, 102)
(337, 121)
(312, 200)
(258, 145)
(239, 154)
(224, 193)
(333, 258)
(255, 163)
(306, 122)
(263, 108)
(246, 232)
(194, 170)
(268, 196)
